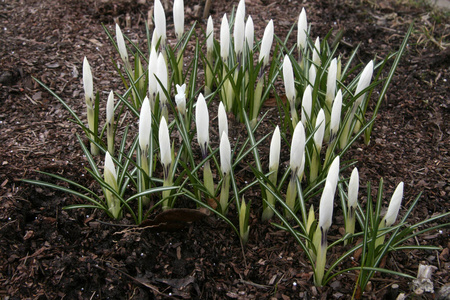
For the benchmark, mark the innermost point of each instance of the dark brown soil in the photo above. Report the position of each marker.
(47, 252)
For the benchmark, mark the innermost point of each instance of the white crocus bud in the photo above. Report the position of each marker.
(121, 45)
(289, 85)
(335, 116)
(110, 171)
(312, 74)
(223, 120)
(326, 208)
(225, 154)
(224, 38)
(333, 173)
(239, 30)
(160, 21)
(110, 108)
(161, 74)
(316, 52)
(249, 33)
(164, 144)
(155, 39)
(178, 17)
(331, 82)
(275, 146)
(302, 30)
(210, 35)
(297, 148)
(88, 81)
(394, 206)
(180, 98)
(353, 188)
(320, 130)
(364, 81)
(306, 105)
(266, 43)
(145, 125)
(152, 66)
(202, 123)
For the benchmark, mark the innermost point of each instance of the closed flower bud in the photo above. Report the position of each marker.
(210, 35)
(297, 148)
(302, 29)
(335, 115)
(306, 105)
(87, 80)
(160, 21)
(289, 85)
(225, 154)
(249, 33)
(164, 143)
(224, 38)
(320, 129)
(110, 108)
(266, 43)
(202, 123)
(353, 187)
(316, 52)
(223, 120)
(178, 17)
(274, 154)
(121, 44)
(145, 125)
(394, 205)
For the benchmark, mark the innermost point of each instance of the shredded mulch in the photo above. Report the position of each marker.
(50, 253)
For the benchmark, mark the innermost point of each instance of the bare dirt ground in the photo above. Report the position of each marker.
(50, 253)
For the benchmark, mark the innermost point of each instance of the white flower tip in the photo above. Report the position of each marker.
(288, 76)
(87, 79)
(110, 107)
(178, 17)
(326, 207)
(353, 187)
(109, 165)
(266, 43)
(145, 124)
(320, 129)
(223, 119)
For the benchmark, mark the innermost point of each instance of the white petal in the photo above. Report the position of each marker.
(331, 81)
(302, 29)
(288, 76)
(353, 187)
(152, 67)
(223, 120)
(297, 147)
(110, 107)
(266, 43)
(178, 17)
(161, 74)
(336, 113)
(160, 21)
(320, 129)
(210, 35)
(109, 165)
(249, 33)
(202, 122)
(306, 105)
(121, 44)
(326, 207)
(239, 30)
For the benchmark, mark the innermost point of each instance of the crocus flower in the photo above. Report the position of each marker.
(121, 45)
(320, 130)
(353, 188)
(145, 125)
(161, 74)
(316, 52)
(202, 122)
(110, 177)
(87, 81)
(306, 105)
(239, 30)
(249, 33)
(394, 206)
(297, 148)
(223, 120)
(110, 122)
(180, 98)
(164, 146)
(335, 116)
(333, 173)
(331, 82)
(224, 38)
(152, 82)
(210, 35)
(178, 17)
(275, 146)
(288, 76)
(266, 44)
(312, 74)
(302, 30)
(160, 21)
(225, 154)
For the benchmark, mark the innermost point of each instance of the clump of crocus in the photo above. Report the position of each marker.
(325, 220)
(209, 56)
(110, 177)
(274, 162)
(110, 122)
(202, 123)
(364, 81)
(90, 105)
(392, 212)
(296, 158)
(289, 85)
(264, 55)
(244, 215)
(166, 159)
(225, 165)
(352, 202)
(317, 146)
